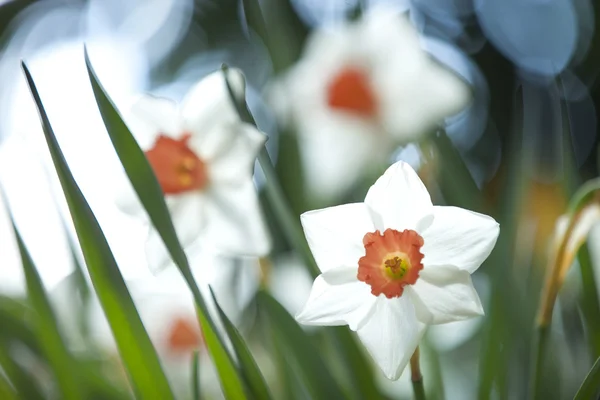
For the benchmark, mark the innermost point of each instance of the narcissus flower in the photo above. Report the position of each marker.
(393, 264)
(203, 157)
(362, 87)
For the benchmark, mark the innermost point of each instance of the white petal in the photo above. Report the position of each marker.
(459, 237)
(445, 294)
(448, 93)
(415, 93)
(391, 334)
(234, 158)
(188, 215)
(389, 37)
(207, 110)
(430, 95)
(331, 173)
(399, 200)
(151, 116)
(335, 234)
(234, 220)
(337, 298)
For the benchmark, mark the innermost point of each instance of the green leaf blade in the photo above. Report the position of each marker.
(6, 390)
(135, 347)
(313, 370)
(148, 191)
(250, 369)
(48, 334)
(590, 388)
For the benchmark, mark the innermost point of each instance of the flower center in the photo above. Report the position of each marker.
(392, 260)
(183, 336)
(351, 91)
(176, 166)
(396, 267)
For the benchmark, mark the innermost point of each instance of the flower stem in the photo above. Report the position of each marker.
(416, 377)
(196, 375)
(290, 223)
(538, 359)
(591, 309)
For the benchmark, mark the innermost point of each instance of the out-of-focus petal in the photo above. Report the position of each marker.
(344, 151)
(459, 237)
(391, 334)
(150, 116)
(188, 213)
(208, 110)
(337, 298)
(234, 221)
(233, 158)
(335, 235)
(445, 294)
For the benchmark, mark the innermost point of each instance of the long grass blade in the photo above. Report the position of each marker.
(135, 348)
(148, 190)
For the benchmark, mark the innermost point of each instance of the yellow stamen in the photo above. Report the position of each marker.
(188, 163)
(396, 267)
(185, 179)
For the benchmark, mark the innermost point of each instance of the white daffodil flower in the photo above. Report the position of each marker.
(394, 264)
(203, 156)
(360, 88)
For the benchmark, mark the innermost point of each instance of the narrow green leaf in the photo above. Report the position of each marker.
(590, 307)
(137, 352)
(290, 223)
(590, 388)
(83, 291)
(455, 180)
(231, 381)
(302, 353)
(196, 375)
(26, 386)
(148, 190)
(14, 318)
(7, 392)
(249, 368)
(62, 363)
(355, 363)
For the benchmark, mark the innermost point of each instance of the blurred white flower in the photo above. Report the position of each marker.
(359, 88)
(289, 282)
(203, 156)
(166, 308)
(395, 263)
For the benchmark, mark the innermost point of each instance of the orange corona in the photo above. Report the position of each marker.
(350, 91)
(183, 336)
(392, 261)
(176, 166)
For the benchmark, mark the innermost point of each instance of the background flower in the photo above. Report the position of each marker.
(360, 87)
(203, 156)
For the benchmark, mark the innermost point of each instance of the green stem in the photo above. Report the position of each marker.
(288, 221)
(418, 390)
(590, 307)
(196, 375)
(455, 180)
(538, 360)
(416, 377)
